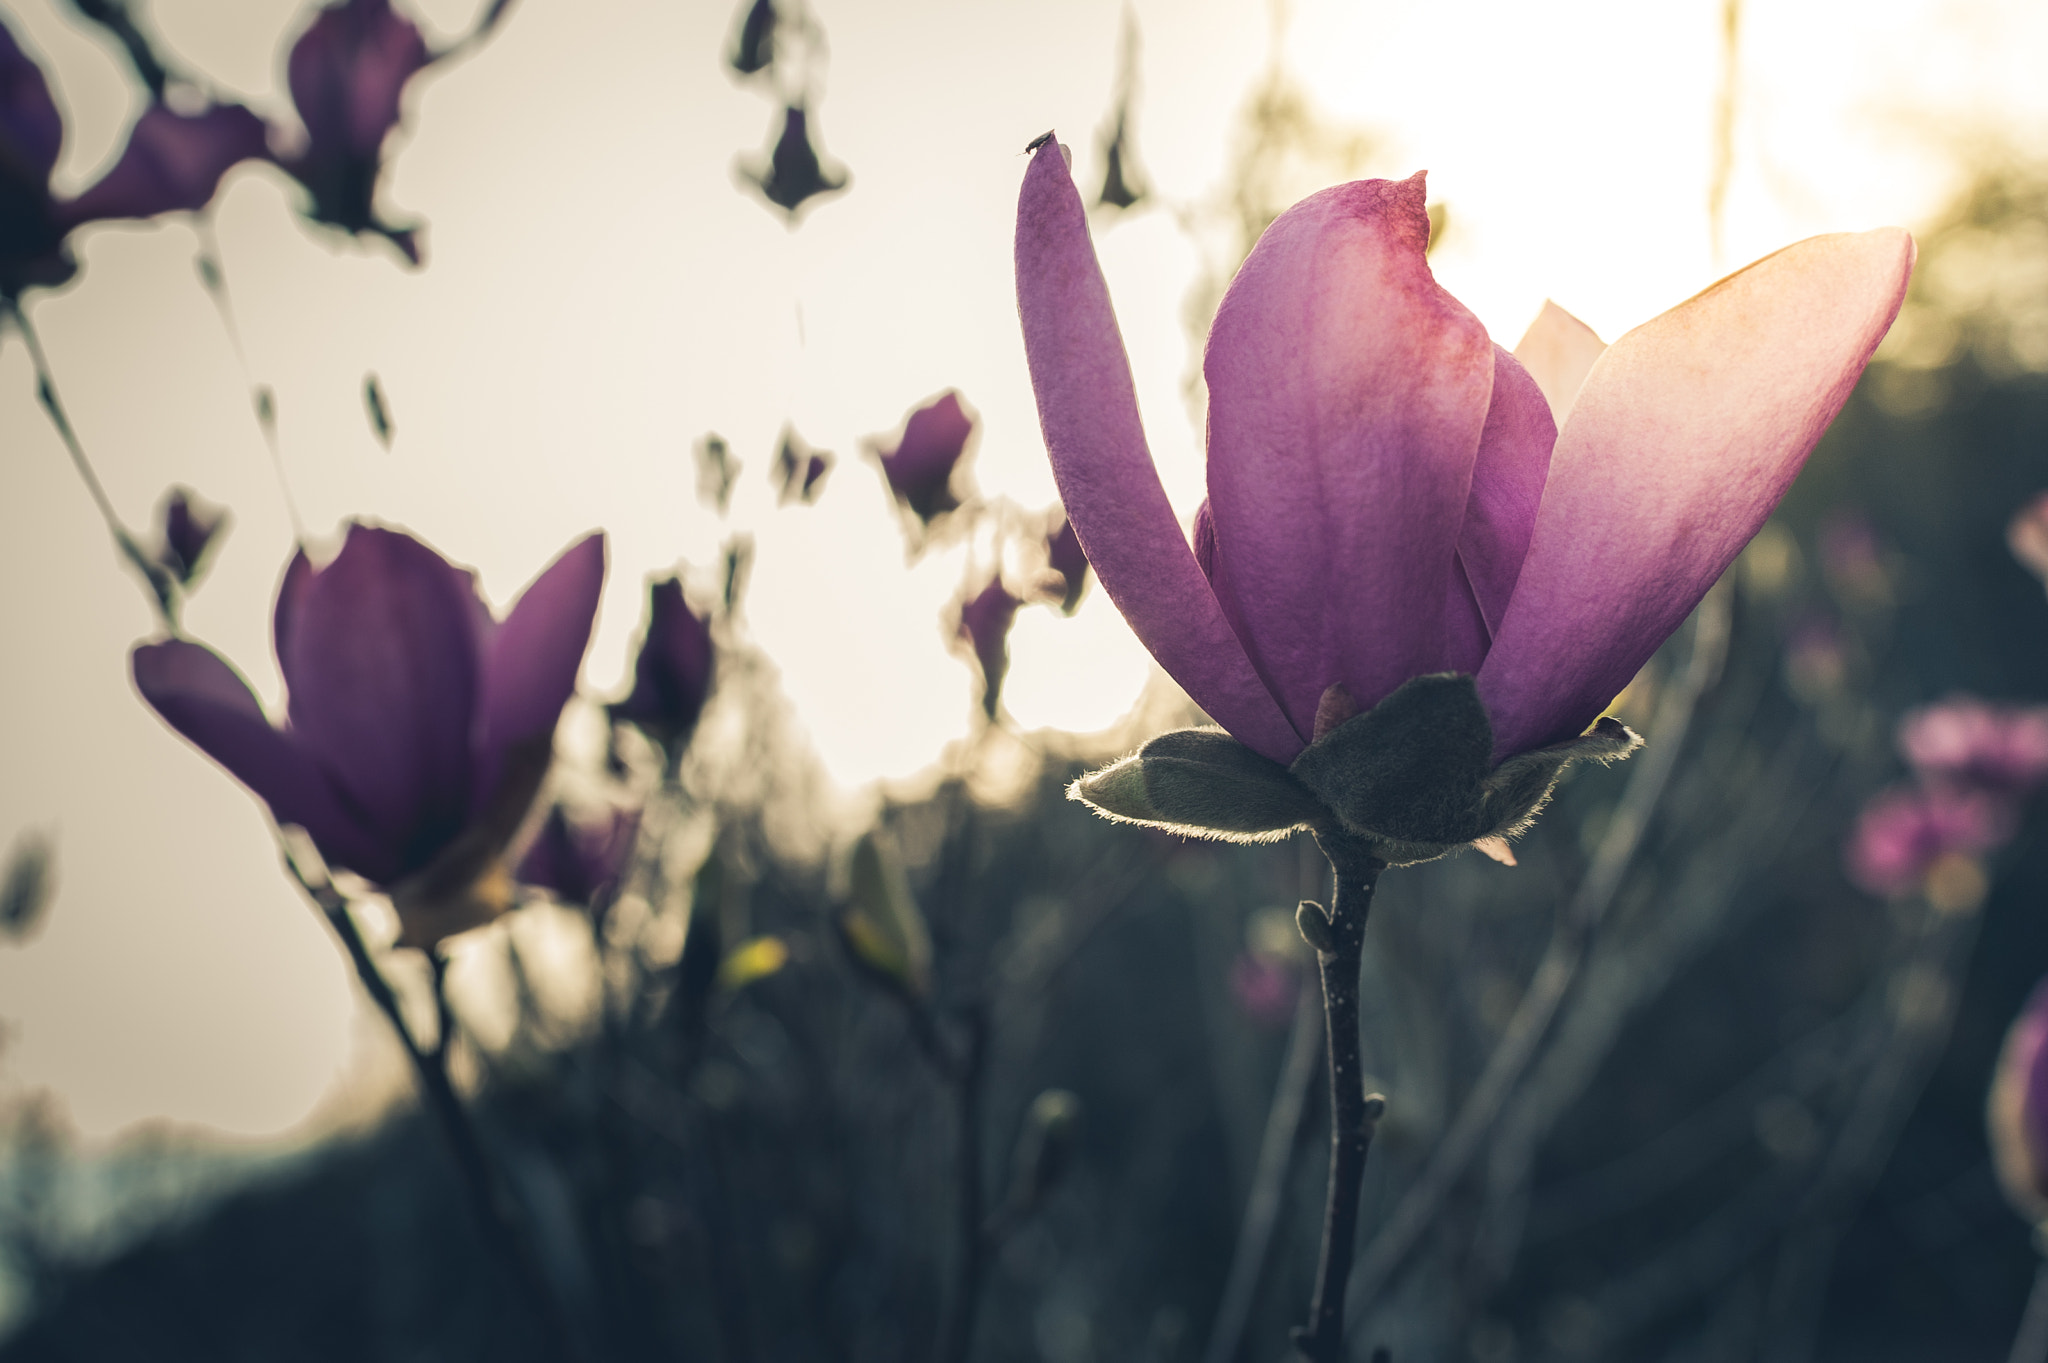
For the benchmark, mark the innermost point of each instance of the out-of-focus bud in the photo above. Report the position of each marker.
(672, 675)
(28, 884)
(189, 526)
(926, 466)
(799, 470)
(1966, 741)
(753, 43)
(582, 863)
(1908, 837)
(1265, 979)
(2016, 1114)
(378, 409)
(717, 472)
(794, 172)
(1852, 559)
(881, 923)
(1045, 1149)
(1063, 555)
(738, 555)
(1816, 663)
(984, 628)
(754, 959)
(2027, 536)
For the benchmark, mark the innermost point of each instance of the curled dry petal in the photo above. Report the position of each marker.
(1686, 434)
(1088, 411)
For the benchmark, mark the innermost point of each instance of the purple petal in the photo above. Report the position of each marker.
(172, 163)
(379, 652)
(531, 664)
(31, 131)
(672, 672)
(201, 697)
(1507, 484)
(1558, 350)
(1089, 414)
(347, 75)
(1686, 434)
(2016, 1117)
(985, 627)
(1347, 393)
(921, 464)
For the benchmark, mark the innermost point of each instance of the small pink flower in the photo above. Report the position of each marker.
(1905, 830)
(1265, 987)
(2016, 1115)
(1966, 741)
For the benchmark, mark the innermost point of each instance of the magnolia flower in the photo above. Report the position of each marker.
(172, 162)
(191, 527)
(1964, 741)
(1393, 511)
(348, 72)
(672, 674)
(1063, 555)
(582, 863)
(418, 727)
(799, 470)
(984, 627)
(794, 173)
(926, 466)
(1907, 831)
(2016, 1115)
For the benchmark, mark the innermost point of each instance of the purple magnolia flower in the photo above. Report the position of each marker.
(984, 627)
(1965, 741)
(172, 162)
(926, 466)
(672, 675)
(795, 173)
(191, 524)
(1063, 555)
(418, 728)
(1906, 830)
(2016, 1114)
(582, 863)
(799, 470)
(348, 73)
(1389, 493)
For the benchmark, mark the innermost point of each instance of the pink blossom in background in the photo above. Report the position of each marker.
(1390, 494)
(1904, 830)
(418, 727)
(1966, 741)
(2016, 1114)
(1265, 987)
(2027, 536)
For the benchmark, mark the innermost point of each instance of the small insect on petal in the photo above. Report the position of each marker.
(1035, 143)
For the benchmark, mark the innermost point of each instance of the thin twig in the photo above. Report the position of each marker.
(496, 1218)
(262, 401)
(956, 1336)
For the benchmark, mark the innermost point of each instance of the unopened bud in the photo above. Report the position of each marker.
(1314, 925)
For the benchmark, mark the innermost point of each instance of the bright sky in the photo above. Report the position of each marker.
(598, 295)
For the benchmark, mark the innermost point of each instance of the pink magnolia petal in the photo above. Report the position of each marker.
(1088, 411)
(1558, 350)
(31, 132)
(172, 163)
(533, 658)
(379, 654)
(1686, 434)
(200, 696)
(347, 74)
(1507, 485)
(1347, 393)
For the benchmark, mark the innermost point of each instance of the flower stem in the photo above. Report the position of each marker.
(2030, 1345)
(163, 592)
(1353, 1112)
(496, 1220)
(956, 1339)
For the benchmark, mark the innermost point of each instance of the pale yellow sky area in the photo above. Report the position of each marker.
(598, 294)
